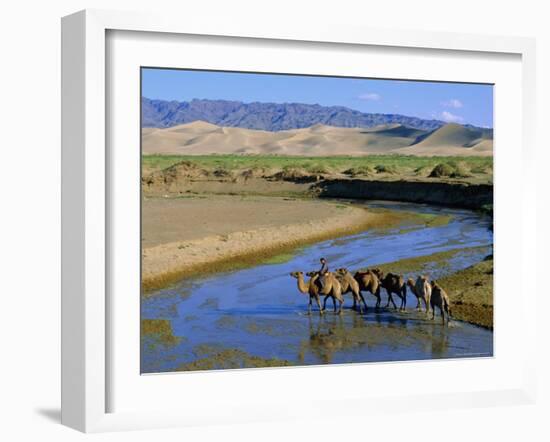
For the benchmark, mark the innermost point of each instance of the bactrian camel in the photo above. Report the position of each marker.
(329, 287)
(440, 299)
(350, 285)
(369, 281)
(313, 289)
(422, 290)
(393, 284)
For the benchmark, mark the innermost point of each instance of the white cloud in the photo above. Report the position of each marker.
(450, 118)
(453, 102)
(370, 96)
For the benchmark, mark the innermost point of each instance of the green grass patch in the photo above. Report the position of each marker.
(279, 259)
(415, 221)
(452, 169)
(231, 358)
(434, 220)
(482, 168)
(342, 164)
(318, 168)
(159, 331)
(363, 170)
(423, 264)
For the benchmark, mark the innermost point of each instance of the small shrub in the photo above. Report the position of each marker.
(318, 168)
(360, 170)
(383, 168)
(451, 169)
(421, 170)
(460, 171)
(295, 174)
(441, 170)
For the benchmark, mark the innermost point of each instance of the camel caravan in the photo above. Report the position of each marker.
(335, 285)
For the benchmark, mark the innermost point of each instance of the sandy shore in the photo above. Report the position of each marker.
(166, 220)
(183, 236)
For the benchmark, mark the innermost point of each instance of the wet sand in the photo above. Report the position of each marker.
(183, 236)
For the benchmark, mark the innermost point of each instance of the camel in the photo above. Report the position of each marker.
(395, 284)
(369, 281)
(422, 290)
(440, 299)
(350, 285)
(378, 272)
(313, 289)
(331, 288)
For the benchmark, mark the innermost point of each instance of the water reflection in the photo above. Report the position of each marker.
(382, 335)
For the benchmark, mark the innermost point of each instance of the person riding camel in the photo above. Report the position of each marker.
(322, 272)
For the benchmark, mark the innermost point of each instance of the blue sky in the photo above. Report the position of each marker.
(453, 102)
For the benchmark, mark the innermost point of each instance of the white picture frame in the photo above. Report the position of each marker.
(86, 200)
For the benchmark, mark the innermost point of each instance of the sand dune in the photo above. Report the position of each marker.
(201, 138)
(451, 139)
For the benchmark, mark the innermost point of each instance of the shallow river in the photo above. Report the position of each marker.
(260, 311)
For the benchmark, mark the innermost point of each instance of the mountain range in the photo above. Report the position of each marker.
(273, 116)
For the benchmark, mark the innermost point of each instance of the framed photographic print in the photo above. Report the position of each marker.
(251, 214)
